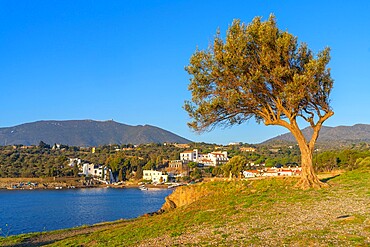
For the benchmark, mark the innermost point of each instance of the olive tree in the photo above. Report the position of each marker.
(235, 166)
(259, 71)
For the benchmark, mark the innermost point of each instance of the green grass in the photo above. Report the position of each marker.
(241, 213)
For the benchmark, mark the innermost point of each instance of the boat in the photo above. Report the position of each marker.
(143, 187)
(58, 187)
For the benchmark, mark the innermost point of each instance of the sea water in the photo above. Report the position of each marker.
(24, 211)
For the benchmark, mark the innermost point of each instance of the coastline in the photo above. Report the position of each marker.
(44, 183)
(144, 204)
(52, 183)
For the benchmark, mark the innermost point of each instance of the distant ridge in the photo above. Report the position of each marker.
(85, 133)
(330, 135)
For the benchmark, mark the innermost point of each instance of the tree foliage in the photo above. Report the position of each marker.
(261, 72)
(235, 166)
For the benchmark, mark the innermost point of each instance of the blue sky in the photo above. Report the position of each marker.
(124, 60)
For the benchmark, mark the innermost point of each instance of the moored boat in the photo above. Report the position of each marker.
(143, 187)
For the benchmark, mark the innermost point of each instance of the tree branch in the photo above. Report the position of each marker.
(310, 119)
(317, 128)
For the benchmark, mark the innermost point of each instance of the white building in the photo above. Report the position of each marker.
(218, 157)
(248, 149)
(234, 143)
(250, 173)
(274, 171)
(94, 170)
(74, 161)
(210, 159)
(155, 176)
(189, 155)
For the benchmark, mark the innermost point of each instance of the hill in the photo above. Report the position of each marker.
(268, 212)
(340, 135)
(85, 133)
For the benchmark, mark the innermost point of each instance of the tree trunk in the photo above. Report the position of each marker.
(309, 178)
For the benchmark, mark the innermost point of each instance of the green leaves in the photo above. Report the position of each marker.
(235, 165)
(257, 71)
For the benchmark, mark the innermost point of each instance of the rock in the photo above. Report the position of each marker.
(184, 195)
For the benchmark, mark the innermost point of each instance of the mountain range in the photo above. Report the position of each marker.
(95, 133)
(330, 135)
(85, 133)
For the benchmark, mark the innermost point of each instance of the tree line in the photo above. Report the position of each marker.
(128, 161)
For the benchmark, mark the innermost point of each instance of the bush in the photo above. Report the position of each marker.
(362, 163)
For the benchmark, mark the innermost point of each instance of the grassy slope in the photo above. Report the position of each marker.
(267, 212)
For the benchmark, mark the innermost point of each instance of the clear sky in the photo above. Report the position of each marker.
(124, 59)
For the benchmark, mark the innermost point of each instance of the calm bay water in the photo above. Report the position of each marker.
(24, 211)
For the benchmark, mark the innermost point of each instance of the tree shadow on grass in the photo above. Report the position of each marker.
(325, 180)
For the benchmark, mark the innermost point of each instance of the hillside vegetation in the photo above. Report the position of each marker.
(269, 212)
(44, 161)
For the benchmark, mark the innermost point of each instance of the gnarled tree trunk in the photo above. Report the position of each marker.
(309, 178)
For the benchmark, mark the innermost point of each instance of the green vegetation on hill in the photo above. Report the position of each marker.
(269, 212)
(44, 161)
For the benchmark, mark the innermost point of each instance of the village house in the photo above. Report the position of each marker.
(274, 171)
(74, 161)
(210, 159)
(56, 146)
(188, 156)
(269, 173)
(234, 143)
(94, 170)
(213, 158)
(155, 176)
(251, 173)
(177, 168)
(247, 149)
(25, 147)
(178, 145)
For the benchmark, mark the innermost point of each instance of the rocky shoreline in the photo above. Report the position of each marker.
(30, 184)
(67, 183)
